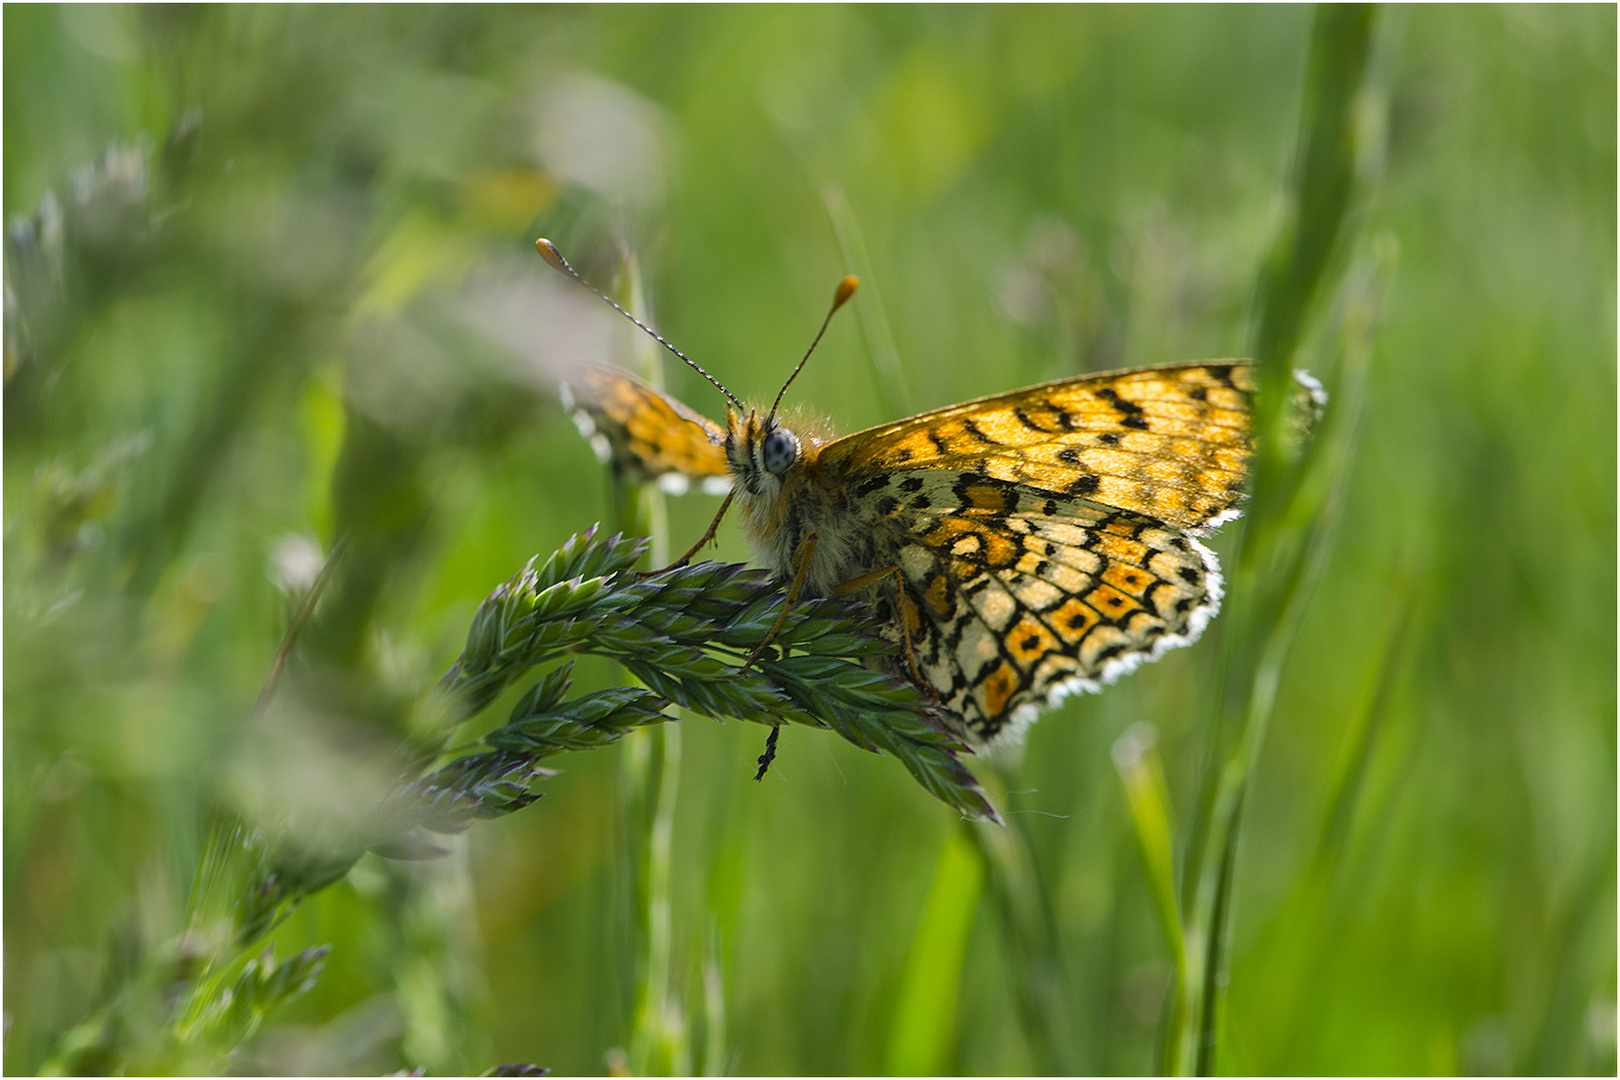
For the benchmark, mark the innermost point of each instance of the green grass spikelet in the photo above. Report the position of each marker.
(685, 633)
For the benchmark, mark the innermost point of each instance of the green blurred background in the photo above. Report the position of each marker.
(270, 278)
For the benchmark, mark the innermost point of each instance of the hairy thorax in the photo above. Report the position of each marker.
(781, 509)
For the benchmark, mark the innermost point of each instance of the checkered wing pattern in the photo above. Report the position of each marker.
(1013, 600)
(1045, 537)
(1171, 443)
(644, 433)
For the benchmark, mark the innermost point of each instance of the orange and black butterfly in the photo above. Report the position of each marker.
(1020, 546)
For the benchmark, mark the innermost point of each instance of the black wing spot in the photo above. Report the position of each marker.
(911, 483)
(1198, 393)
(1130, 410)
(969, 480)
(1030, 642)
(1049, 508)
(872, 486)
(1134, 524)
(1069, 455)
(1083, 485)
(887, 505)
(921, 502)
(1190, 576)
(1108, 439)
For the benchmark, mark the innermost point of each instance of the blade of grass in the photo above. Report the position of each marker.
(1301, 545)
(922, 1033)
(1031, 942)
(1299, 253)
(714, 1003)
(1557, 1046)
(659, 1040)
(651, 767)
(1284, 538)
(1317, 906)
(1147, 793)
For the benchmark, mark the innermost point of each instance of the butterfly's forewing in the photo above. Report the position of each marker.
(1171, 442)
(646, 434)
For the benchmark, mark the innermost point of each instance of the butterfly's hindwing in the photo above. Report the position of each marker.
(1014, 599)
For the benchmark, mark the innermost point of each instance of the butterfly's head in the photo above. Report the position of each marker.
(762, 451)
(765, 452)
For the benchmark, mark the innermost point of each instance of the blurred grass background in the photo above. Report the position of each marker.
(269, 280)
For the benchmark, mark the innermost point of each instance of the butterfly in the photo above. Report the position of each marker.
(1019, 547)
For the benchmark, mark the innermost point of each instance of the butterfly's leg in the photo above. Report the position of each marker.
(707, 536)
(900, 612)
(801, 556)
(769, 755)
(697, 547)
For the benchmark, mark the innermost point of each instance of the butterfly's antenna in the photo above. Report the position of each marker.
(548, 251)
(845, 290)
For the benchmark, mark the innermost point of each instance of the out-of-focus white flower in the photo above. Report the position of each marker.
(295, 563)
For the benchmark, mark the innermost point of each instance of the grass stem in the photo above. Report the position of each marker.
(1285, 535)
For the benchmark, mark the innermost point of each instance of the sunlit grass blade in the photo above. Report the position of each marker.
(714, 1004)
(1298, 547)
(1568, 1038)
(1147, 793)
(1284, 537)
(923, 1029)
(1030, 938)
(650, 767)
(1326, 885)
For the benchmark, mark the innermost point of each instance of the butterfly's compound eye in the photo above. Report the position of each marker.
(779, 450)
